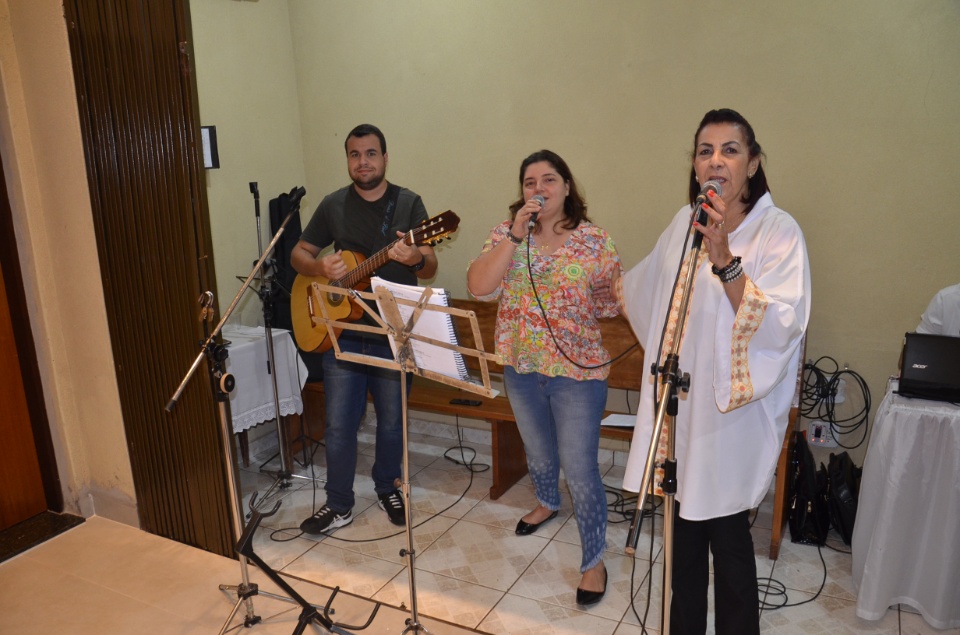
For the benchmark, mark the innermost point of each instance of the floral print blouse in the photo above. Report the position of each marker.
(563, 282)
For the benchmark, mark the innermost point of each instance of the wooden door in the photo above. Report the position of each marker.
(140, 124)
(21, 485)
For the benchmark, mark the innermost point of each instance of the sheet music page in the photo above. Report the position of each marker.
(433, 324)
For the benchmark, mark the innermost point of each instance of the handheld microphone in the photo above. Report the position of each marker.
(699, 214)
(533, 217)
(709, 186)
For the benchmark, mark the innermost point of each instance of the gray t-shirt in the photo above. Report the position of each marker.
(352, 223)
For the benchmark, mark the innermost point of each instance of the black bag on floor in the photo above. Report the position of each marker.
(843, 479)
(808, 517)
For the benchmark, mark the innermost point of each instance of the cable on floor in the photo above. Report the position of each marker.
(771, 587)
(470, 464)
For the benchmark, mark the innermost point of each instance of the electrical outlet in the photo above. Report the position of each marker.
(841, 387)
(819, 434)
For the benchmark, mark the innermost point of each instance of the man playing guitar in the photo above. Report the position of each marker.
(364, 218)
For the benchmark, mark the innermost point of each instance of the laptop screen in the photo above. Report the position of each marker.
(930, 367)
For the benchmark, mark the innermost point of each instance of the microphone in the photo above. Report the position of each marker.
(699, 214)
(533, 217)
(709, 186)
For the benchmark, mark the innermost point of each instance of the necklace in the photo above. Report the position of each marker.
(555, 241)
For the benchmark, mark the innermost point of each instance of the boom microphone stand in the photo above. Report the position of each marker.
(224, 383)
(672, 380)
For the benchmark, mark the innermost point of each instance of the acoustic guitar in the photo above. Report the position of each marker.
(308, 328)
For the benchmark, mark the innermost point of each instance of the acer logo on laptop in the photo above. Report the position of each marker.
(918, 366)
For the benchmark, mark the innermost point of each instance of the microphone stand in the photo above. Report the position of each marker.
(265, 293)
(224, 383)
(672, 379)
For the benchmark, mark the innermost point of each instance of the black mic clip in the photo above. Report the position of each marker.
(295, 195)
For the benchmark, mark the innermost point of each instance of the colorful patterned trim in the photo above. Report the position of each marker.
(753, 306)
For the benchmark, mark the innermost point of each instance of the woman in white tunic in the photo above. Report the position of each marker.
(741, 345)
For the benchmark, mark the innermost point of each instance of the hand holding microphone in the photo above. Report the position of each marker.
(700, 215)
(533, 217)
(709, 186)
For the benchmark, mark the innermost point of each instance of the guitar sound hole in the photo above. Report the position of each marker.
(334, 299)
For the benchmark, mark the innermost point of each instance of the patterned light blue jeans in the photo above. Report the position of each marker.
(559, 421)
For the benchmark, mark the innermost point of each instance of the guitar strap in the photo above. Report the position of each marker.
(393, 195)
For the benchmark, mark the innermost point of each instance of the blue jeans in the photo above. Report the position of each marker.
(559, 421)
(346, 386)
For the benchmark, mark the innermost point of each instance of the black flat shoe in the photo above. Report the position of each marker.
(525, 529)
(586, 598)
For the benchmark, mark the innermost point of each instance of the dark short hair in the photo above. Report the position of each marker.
(574, 206)
(758, 185)
(363, 130)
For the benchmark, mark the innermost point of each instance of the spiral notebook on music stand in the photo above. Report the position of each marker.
(433, 324)
(930, 367)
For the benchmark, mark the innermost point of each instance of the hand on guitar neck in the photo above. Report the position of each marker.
(350, 270)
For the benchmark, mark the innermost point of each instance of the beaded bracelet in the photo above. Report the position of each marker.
(514, 239)
(719, 272)
(730, 276)
(730, 272)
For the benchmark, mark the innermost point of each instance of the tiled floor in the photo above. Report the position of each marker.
(473, 574)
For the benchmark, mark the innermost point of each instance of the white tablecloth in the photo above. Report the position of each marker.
(252, 400)
(906, 540)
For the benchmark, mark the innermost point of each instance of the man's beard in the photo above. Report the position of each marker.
(369, 185)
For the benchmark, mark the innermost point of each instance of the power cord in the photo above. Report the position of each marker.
(623, 509)
(472, 467)
(818, 398)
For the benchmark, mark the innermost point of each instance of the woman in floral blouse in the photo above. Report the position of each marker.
(551, 267)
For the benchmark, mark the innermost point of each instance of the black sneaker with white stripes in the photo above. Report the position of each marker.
(324, 520)
(392, 503)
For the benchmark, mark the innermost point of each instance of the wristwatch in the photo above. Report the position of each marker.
(419, 265)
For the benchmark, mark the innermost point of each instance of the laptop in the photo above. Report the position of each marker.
(931, 367)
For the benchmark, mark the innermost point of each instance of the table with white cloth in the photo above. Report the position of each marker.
(906, 539)
(251, 402)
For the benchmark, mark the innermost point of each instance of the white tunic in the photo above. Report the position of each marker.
(942, 317)
(743, 364)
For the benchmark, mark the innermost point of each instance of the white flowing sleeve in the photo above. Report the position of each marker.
(756, 346)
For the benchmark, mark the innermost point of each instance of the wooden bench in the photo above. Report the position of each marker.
(509, 460)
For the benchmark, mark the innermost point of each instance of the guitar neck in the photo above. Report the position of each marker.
(367, 268)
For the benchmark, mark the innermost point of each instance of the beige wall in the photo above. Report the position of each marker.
(44, 168)
(248, 89)
(855, 104)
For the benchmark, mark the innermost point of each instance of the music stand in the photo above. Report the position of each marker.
(391, 323)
